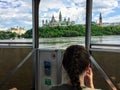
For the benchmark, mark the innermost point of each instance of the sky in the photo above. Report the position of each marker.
(19, 12)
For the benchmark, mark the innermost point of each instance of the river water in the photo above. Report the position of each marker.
(63, 42)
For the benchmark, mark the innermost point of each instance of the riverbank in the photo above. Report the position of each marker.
(63, 42)
(73, 31)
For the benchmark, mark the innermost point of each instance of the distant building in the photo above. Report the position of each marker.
(111, 24)
(2, 29)
(54, 22)
(100, 20)
(101, 23)
(93, 22)
(18, 30)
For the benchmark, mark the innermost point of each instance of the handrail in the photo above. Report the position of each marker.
(105, 50)
(103, 74)
(16, 68)
(111, 45)
(105, 47)
(3, 46)
(15, 42)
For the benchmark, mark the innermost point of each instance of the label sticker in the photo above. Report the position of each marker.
(47, 81)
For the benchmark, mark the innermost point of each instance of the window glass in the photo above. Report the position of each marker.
(62, 23)
(106, 22)
(15, 20)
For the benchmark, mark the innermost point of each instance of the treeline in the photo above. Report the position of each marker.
(7, 35)
(72, 31)
(105, 30)
(64, 31)
(58, 31)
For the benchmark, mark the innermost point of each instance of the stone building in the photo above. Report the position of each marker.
(60, 22)
(18, 30)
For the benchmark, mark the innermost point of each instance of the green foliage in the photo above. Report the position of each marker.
(62, 31)
(72, 31)
(65, 31)
(7, 35)
(105, 30)
(28, 34)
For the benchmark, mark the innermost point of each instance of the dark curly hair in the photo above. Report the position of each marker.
(75, 61)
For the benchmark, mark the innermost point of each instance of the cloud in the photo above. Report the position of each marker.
(45, 5)
(74, 9)
(75, 14)
(12, 11)
(112, 19)
(19, 12)
(105, 4)
(106, 7)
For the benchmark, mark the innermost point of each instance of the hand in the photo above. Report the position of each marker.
(89, 78)
(13, 88)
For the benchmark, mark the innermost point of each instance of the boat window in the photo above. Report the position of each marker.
(106, 24)
(15, 21)
(62, 23)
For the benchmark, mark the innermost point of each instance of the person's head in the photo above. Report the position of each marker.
(75, 62)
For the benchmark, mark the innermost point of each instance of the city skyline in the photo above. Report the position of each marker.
(19, 12)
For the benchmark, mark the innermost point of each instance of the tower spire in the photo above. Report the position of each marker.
(100, 19)
(60, 16)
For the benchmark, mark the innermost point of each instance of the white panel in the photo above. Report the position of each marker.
(50, 60)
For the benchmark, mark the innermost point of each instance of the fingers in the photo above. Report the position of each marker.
(89, 78)
(89, 72)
